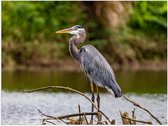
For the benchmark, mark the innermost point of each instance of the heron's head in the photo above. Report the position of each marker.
(75, 30)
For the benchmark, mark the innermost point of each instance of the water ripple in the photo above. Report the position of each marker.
(21, 108)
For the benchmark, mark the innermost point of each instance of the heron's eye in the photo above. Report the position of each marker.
(78, 26)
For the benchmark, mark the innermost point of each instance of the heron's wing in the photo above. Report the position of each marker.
(98, 69)
(93, 61)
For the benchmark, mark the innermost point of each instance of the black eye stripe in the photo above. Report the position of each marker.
(78, 26)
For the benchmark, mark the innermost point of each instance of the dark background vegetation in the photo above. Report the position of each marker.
(126, 33)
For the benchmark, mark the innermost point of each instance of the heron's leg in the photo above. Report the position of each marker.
(93, 98)
(98, 105)
(98, 97)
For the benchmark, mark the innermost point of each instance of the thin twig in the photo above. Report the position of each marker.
(50, 122)
(43, 122)
(63, 121)
(70, 89)
(69, 115)
(50, 117)
(133, 117)
(79, 111)
(135, 104)
(99, 118)
(85, 118)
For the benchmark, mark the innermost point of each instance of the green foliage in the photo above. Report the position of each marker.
(149, 16)
(24, 24)
(27, 21)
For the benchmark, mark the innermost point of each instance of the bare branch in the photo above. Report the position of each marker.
(136, 104)
(86, 119)
(69, 115)
(70, 89)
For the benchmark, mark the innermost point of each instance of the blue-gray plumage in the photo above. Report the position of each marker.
(98, 69)
(92, 61)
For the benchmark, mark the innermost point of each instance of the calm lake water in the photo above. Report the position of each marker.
(129, 81)
(148, 88)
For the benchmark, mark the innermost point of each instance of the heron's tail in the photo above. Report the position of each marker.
(118, 94)
(115, 90)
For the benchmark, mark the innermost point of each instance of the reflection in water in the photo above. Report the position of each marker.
(129, 81)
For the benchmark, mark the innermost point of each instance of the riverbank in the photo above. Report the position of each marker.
(68, 64)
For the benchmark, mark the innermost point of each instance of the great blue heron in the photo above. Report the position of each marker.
(92, 62)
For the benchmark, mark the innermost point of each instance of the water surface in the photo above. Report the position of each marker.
(129, 81)
(145, 87)
(21, 108)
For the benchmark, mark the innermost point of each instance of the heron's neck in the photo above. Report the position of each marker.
(73, 43)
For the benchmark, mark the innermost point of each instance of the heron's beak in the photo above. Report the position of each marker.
(64, 31)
